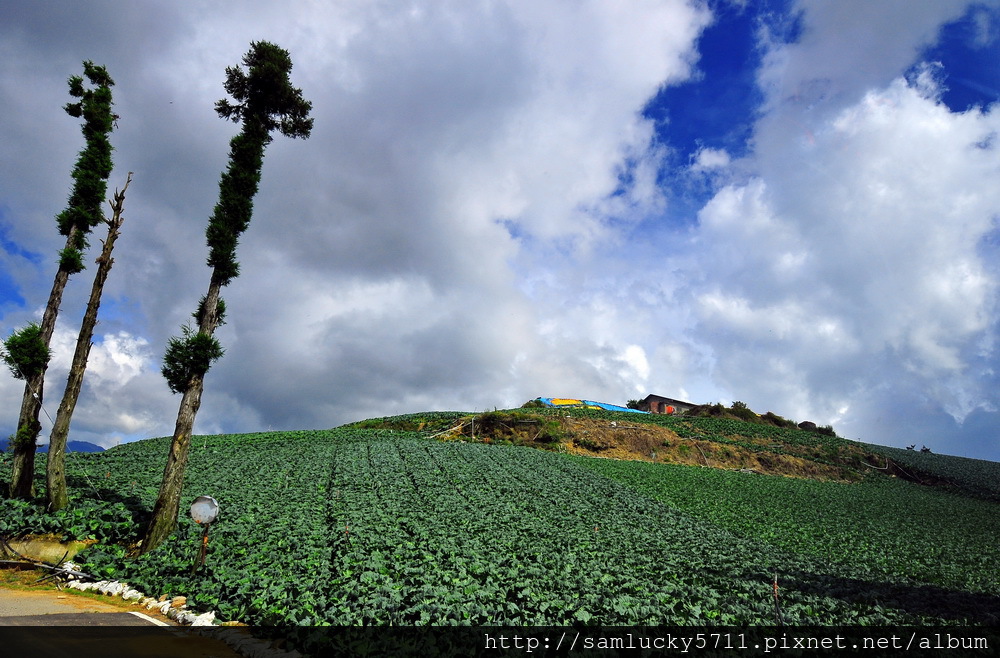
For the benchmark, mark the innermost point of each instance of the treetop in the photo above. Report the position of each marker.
(264, 94)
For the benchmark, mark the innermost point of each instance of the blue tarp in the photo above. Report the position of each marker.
(573, 402)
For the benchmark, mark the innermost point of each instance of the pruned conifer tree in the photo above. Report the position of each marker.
(83, 213)
(264, 101)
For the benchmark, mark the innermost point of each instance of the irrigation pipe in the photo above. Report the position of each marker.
(57, 571)
(456, 427)
(886, 467)
(879, 468)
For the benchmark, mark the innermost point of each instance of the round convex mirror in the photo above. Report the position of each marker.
(204, 509)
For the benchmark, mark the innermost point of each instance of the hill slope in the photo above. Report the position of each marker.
(375, 526)
(717, 442)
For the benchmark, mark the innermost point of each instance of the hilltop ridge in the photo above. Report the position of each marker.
(710, 436)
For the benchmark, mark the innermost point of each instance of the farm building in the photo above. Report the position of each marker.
(657, 404)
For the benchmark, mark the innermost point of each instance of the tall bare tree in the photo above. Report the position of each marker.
(55, 468)
(90, 182)
(265, 100)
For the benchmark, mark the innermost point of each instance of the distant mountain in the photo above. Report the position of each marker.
(71, 446)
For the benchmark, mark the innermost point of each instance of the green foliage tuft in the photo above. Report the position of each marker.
(25, 436)
(94, 165)
(71, 260)
(280, 106)
(778, 421)
(25, 353)
(188, 357)
(234, 209)
(220, 311)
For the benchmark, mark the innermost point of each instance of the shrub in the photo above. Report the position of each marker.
(778, 421)
(550, 432)
(743, 412)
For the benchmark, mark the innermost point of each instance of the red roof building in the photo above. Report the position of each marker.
(657, 404)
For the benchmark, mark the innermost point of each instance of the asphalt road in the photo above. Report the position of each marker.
(44, 623)
(20, 604)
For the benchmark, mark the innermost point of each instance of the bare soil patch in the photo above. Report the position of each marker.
(654, 443)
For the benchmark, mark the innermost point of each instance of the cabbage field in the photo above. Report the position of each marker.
(365, 525)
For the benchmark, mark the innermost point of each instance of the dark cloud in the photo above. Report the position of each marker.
(481, 216)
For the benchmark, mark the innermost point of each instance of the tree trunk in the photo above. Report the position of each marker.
(56, 465)
(22, 476)
(23, 464)
(168, 501)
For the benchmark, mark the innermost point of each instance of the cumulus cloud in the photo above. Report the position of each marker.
(483, 214)
(380, 272)
(116, 400)
(854, 258)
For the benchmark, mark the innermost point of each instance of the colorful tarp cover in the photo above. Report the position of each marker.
(586, 404)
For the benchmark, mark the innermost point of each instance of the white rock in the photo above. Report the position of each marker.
(112, 588)
(186, 617)
(74, 570)
(206, 619)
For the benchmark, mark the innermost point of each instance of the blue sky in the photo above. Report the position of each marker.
(966, 50)
(717, 106)
(792, 204)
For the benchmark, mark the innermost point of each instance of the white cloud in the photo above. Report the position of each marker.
(635, 357)
(847, 48)
(857, 246)
(475, 219)
(377, 274)
(708, 158)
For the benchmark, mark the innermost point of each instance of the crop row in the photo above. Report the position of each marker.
(353, 526)
(880, 526)
(357, 526)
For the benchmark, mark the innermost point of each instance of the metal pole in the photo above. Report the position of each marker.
(200, 562)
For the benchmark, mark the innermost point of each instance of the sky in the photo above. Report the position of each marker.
(789, 203)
